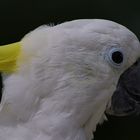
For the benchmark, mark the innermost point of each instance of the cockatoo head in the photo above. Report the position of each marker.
(64, 77)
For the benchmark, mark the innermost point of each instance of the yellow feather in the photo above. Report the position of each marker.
(8, 57)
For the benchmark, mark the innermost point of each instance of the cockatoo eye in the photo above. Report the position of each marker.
(116, 57)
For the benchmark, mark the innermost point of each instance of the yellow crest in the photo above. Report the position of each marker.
(8, 57)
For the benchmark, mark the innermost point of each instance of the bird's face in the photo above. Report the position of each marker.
(99, 49)
(91, 56)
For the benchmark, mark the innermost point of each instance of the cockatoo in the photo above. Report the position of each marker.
(58, 81)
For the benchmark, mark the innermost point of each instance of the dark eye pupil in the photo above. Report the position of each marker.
(117, 57)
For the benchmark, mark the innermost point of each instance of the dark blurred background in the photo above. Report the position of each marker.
(18, 17)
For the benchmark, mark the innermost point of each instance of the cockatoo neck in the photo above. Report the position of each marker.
(65, 110)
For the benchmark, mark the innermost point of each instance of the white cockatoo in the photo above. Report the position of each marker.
(59, 80)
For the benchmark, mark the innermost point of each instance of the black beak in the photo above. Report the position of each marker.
(126, 98)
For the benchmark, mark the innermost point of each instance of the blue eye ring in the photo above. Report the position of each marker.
(116, 57)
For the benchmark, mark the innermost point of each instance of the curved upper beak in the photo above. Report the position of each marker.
(126, 98)
(8, 57)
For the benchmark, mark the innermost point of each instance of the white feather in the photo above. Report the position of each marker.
(64, 81)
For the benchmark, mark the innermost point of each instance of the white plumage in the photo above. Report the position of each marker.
(65, 79)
